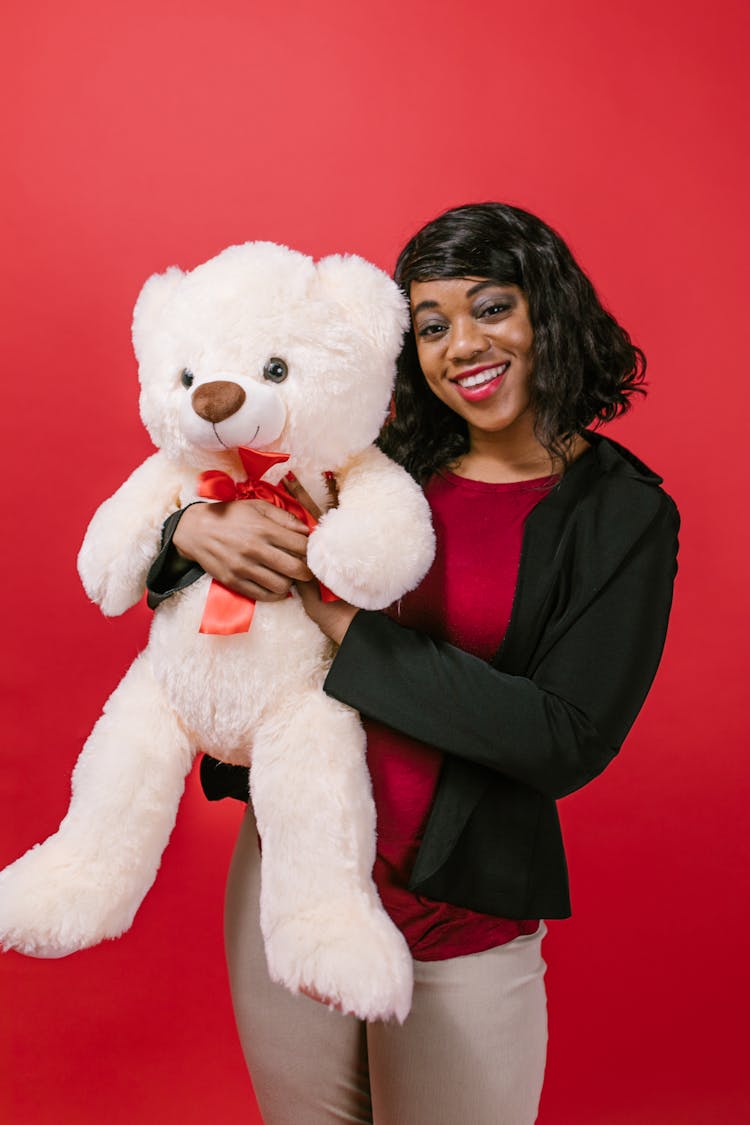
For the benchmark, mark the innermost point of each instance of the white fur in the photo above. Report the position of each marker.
(338, 326)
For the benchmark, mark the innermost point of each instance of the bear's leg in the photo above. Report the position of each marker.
(324, 926)
(86, 882)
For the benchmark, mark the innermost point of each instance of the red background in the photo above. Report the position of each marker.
(143, 134)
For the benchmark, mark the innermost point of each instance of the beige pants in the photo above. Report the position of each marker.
(471, 1051)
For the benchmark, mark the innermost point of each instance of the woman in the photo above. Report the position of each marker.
(508, 679)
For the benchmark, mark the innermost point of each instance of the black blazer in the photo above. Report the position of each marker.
(549, 712)
(552, 708)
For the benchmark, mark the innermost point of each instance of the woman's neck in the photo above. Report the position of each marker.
(506, 462)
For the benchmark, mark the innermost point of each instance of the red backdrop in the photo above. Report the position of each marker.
(142, 134)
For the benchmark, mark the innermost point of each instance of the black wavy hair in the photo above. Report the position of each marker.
(585, 368)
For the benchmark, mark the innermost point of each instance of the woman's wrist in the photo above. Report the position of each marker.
(332, 618)
(338, 618)
(184, 535)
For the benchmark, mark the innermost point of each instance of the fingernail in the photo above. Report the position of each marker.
(290, 476)
(329, 475)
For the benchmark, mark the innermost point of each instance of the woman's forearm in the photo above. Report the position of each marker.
(553, 730)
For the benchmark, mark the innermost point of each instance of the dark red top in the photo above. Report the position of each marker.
(466, 599)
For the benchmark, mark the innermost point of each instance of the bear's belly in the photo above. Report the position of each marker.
(223, 687)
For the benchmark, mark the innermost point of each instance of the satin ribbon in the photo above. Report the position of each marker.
(227, 612)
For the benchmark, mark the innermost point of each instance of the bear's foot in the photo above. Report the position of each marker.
(53, 902)
(348, 954)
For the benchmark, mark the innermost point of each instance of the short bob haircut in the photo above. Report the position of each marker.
(585, 369)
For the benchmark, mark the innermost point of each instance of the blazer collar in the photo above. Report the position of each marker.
(613, 457)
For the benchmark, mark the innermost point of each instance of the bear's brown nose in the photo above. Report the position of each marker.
(217, 401)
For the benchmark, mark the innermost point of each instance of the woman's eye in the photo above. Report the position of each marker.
(186, 377)
(430, 329)
(494, 309)
(275, 370)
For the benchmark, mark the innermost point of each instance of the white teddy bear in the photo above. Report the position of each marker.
(261, 348)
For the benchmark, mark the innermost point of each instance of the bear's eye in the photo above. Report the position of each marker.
(275, 369)
(186, 377)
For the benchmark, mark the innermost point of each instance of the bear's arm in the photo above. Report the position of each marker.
(378, 543)
(125, 533)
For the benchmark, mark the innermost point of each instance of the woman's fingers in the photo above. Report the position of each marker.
(279, 516)
(250, 546)
(296, 489)
(300, 493)
(333, 490)
(313, 995)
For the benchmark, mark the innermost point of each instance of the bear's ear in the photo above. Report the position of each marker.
(151, 300)
(369, 299)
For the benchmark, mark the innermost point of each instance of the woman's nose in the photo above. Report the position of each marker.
(467, 339)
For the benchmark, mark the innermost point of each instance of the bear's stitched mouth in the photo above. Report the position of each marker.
(224, 444)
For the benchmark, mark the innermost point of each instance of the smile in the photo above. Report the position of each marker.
(480, 382)
(233, 445)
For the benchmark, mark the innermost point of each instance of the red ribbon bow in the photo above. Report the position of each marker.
(227, 612)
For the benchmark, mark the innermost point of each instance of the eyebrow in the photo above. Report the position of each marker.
(469, 293)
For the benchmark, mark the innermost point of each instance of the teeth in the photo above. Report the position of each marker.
(482, 376)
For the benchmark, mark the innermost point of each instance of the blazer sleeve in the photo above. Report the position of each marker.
(170, 572)
(554, 730)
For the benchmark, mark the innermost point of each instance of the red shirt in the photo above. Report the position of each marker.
(466, 599)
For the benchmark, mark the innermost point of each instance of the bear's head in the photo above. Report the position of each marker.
(263, 347)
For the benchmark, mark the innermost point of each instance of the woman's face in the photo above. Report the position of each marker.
(475, 342)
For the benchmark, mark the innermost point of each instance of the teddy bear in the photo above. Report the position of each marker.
(255, 363)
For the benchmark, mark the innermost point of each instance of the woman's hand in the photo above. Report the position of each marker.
(313, 995)
(250, 546)
(332, 618)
